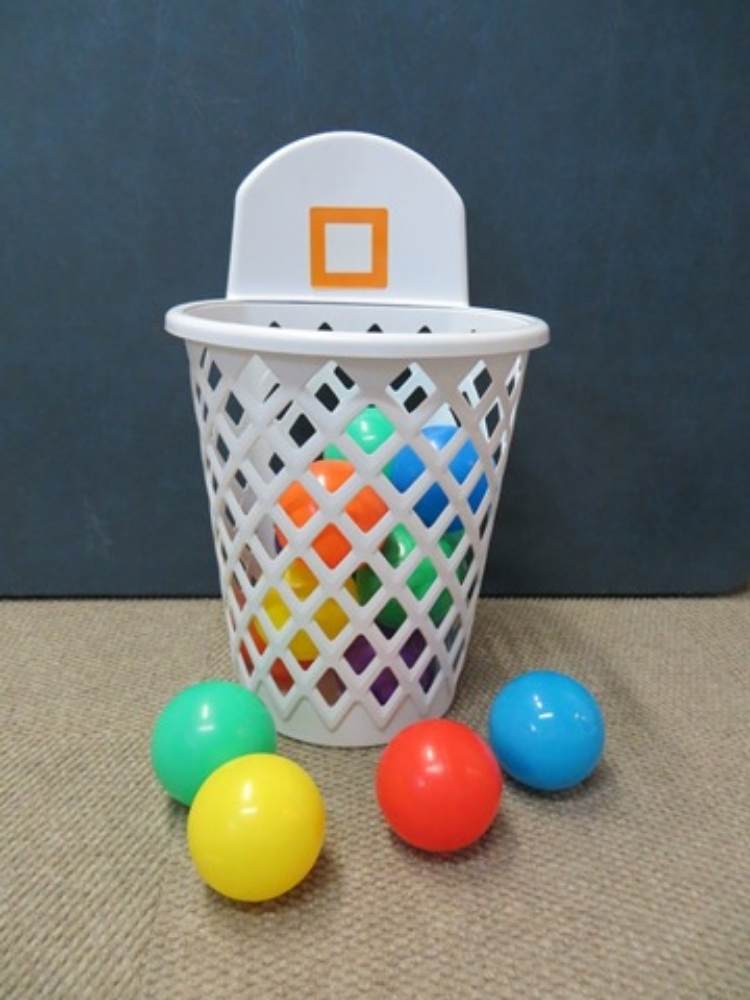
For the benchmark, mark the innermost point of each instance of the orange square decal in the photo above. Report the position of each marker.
(348, 247)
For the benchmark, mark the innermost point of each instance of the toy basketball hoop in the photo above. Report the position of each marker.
(355, 418)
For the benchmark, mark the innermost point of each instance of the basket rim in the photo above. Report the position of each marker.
(503, 332)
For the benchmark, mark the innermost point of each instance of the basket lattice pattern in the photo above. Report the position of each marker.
(263, 420)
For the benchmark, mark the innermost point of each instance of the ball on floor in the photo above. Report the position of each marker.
(256, 827)
(547, 730)
(202, 728)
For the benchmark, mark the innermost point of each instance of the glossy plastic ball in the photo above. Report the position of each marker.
(256, 827)
(406, 467)
(547, 730)
(202, 728)
(329, 615)
(365, 509)
(396, 548)
(438, 785)
(369, 430)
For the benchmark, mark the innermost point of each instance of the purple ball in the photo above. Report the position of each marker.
(360, 654)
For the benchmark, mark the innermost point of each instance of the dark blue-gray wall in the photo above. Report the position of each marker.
(601, 149)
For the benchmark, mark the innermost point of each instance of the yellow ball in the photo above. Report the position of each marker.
(329, 616)
(256, 827)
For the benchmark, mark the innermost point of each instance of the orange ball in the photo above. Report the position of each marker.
(365, 508)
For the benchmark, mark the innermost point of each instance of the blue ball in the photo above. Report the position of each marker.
(406, 466)
(547, 730)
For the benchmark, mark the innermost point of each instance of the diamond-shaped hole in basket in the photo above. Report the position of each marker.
(331, 687)
(441, 607)
(359, 654)
(344, 378)
(295, 424)
(298, 504)
(327, 397)
(475, 385)
(390, 619)
(281, 677)
(264, 460)
(482, 381)
(301, 579)
(485, 520)
(497, 454)
(368, 583)
(413, 648)
(277, 612)
(271, 390)
(429, 674)
(465, 565)
(511, 383)
(220, 450)
(431, 504)
(452, 634)
(303, 649)
(265, 532)
(234, 409)
(458, 654)
(477, 494)
(492, 418)
(227, 519)
(384, 686)
(302, 430)
(331, 387)
(250, 565)
(332, 545)
(370, 429)
(330, 617)
(366, 509)
(451, 537)
(247, 661)
(214, 376)
(237, 592)
(242, 492)
(411, 387)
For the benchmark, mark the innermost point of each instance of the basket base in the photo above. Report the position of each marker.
(357, 728)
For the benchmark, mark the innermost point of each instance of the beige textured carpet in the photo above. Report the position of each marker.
(636, 885)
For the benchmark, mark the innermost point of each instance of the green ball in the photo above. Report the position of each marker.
(369, 430)
(396, 547)
(202, 728)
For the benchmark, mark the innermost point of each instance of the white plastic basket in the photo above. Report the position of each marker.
(347, 291)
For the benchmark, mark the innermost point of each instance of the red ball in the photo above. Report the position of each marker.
(438, 785)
